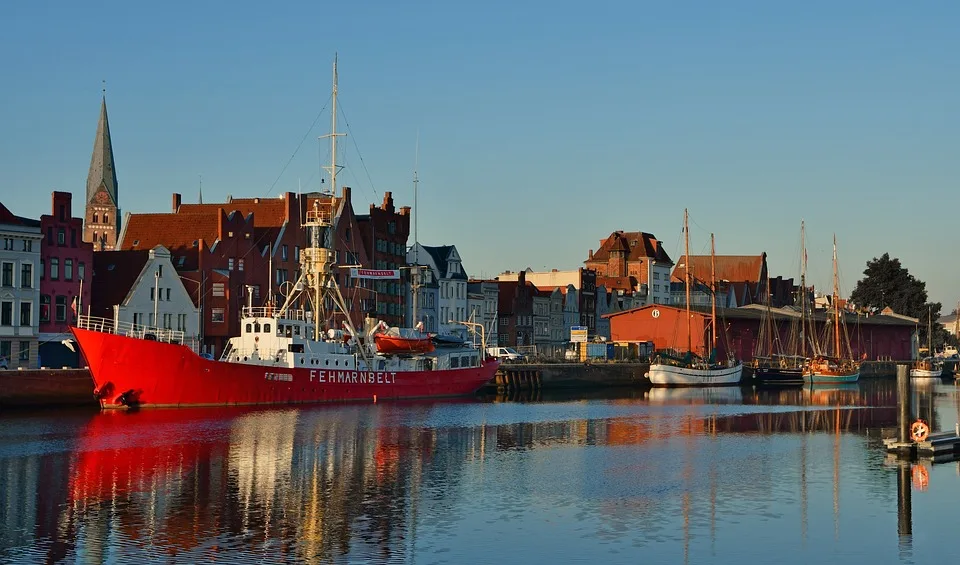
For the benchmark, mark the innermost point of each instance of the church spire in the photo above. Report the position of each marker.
(101, 224)
(102, 173)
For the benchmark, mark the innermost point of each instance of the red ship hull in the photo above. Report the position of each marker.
(135, 372)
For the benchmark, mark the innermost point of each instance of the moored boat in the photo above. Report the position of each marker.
(928, 367)
(838, 367)
(291, 354)
(692, 370)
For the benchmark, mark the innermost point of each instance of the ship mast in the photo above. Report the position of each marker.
(803, 292)
(713, 291)
(318, 258)
(836, 306)
(686, 246)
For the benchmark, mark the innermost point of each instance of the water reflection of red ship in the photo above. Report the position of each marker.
(121, 454)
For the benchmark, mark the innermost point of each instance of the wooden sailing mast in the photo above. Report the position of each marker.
(803, 291)
(713, 301)
(686, 246)
(836, 305)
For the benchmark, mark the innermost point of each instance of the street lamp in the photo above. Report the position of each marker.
(472, 326)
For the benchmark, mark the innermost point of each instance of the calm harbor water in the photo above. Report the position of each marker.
(661, 476)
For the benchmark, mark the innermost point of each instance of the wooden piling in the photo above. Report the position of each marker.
(904, 418)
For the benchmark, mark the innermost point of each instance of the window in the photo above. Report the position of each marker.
(54, 268)
(181, 322)
(49, 236)
(81, 270)
(96, 218)
(168, 321)
(6, 313)
(218, 289)
(61, 237)
(24, 350)
(346, 235)
(106, 218)
(7, 278)
(28, 245)
(68, 269)
(43, 271)
(63, 213)
(296, 251)
(8, 244)
(26, 313)
(216, 314)
(44, 307)
(240, 265)
(138, 318)
(152, 299)
(150, 320)
(168, 295)
(284, 252)
(230, 264)
(61, 308)
(5, 349)
(160, 271)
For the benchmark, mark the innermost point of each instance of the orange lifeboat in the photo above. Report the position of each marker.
(395, 344)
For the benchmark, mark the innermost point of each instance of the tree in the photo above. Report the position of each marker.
(887, 283)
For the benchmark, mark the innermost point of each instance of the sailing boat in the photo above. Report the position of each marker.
(928, 367)
(835, 368)
(692, 370)
(282, 356)
(784, 368)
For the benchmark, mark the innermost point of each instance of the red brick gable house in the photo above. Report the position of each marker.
(633, 262)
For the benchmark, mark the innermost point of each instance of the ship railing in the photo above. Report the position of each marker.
(319, 216)
(130, 329)
(272, 312)
(242, 355)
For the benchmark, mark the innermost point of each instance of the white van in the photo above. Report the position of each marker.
(505, 353)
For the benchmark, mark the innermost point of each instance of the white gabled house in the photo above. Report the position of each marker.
(142, 288)
(447, 270)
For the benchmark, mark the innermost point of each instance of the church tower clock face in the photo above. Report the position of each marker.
(102, 197)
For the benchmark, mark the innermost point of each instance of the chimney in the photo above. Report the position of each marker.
(176, 202)
(590, 255)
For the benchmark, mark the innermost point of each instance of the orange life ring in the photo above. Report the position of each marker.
(919, 431)
(920, 477)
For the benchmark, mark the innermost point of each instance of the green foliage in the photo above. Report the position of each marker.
(887, 283)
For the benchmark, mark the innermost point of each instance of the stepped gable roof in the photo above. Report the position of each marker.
(173, 231)
(114, 274)
(639, 245)
(734, 268)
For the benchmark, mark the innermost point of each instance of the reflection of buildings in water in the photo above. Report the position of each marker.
(260, 457)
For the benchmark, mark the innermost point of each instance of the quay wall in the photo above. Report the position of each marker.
(46, 388)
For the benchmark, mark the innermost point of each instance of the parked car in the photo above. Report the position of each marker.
(505, 354)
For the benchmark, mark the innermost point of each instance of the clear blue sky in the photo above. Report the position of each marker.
(543, 126)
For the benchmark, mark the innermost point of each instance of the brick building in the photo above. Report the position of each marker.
(515, 311)
(632, 263)
(249, 249)
(384, 232)
(66, 263)
(871, 337)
